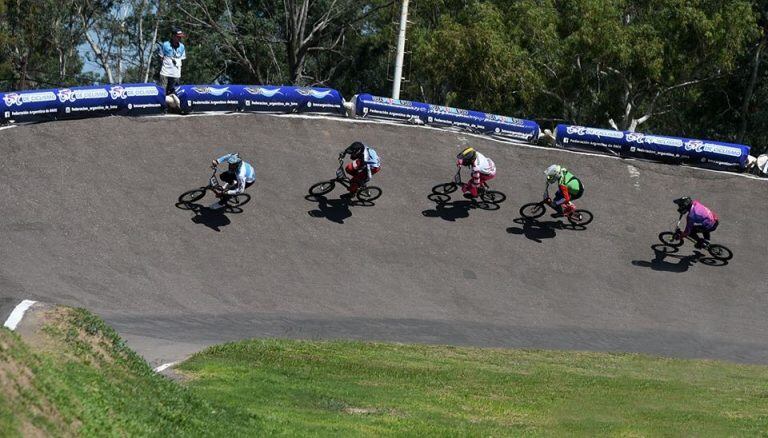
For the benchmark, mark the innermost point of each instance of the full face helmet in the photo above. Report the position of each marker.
(553, 173)
(356, 149)
(683, 204)
(467, 156)
(234, 161)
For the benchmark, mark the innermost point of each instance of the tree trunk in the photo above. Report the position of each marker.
(152, 44)
(750, 89)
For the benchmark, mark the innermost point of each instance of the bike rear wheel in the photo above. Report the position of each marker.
(239, 200)
(322, 188)
(580, 217)
(493, 196)
(192, 196)
(445, 188)
(720, 252)
(368, 193)
(533, 210)
(668, 238)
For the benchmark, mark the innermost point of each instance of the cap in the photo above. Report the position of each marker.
(178, 32)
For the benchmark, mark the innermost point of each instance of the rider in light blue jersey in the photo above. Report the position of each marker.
(239, 176)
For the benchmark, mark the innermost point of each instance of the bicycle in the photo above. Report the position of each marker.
(364, 193)
(674, 239)
(535, 210)
(234, 201)
(484, 191)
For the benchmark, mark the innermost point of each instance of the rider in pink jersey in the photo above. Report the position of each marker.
(700, 220)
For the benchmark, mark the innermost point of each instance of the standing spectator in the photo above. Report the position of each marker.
(172, 52)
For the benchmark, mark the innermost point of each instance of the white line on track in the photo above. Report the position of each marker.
(164, 366)
(635, 174)
(18, 312)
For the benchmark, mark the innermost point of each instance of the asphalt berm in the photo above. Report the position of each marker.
(90, 220)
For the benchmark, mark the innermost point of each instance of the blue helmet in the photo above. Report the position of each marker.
(234, 159)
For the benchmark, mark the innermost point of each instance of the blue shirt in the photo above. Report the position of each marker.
(172, 58)
(371, 158)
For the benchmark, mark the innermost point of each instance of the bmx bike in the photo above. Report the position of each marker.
(364, 193)
(535, 210)
(443, 191)
(191, 196)
(674, 239)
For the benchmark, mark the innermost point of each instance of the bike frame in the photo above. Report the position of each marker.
(343, 179)
(679, 230)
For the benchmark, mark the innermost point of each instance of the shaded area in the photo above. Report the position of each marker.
(335, 210)
(449, 210)
(537, 230)
(213, 219)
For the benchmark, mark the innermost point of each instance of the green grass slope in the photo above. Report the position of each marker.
(75, 377)
(355, 388)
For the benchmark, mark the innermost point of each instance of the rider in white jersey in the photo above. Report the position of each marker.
(239, 176)
(481, 167)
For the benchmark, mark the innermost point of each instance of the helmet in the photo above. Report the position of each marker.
(683, 204)
(356, 148)
(554, 172)
(234, 161)
(467, 156)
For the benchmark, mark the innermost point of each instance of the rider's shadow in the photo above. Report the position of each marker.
(537, 230)
(664, 256)
(452, 210)
(213, 219)
(335, 210)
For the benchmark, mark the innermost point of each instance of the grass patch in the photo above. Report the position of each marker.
(355, 388)
(79, 379)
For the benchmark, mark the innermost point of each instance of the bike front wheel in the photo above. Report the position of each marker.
(445, 188)
(368, 193)
(322, 188)
(493, 197)
(720, 252)
(670, 239)
(580, 217)
(533, 210)
(192, 196)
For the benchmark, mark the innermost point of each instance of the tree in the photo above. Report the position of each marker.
(40, 43)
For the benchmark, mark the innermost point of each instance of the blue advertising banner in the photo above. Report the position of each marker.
(285, 99)
(491, 124)
(658, 147)
(28, 106)
(209, 97)
(376, 106)
(138, 99)
(78, 102)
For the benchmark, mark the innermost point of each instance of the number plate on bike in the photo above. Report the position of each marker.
(213, 181)
(457, 179)
(339, 173)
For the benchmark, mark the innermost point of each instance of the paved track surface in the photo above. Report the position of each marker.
(89, 220)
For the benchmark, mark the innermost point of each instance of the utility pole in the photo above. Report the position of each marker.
(400, 52)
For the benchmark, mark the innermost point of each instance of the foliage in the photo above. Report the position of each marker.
(695, 68)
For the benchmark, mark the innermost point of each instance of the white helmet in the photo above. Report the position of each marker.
(553, 173)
